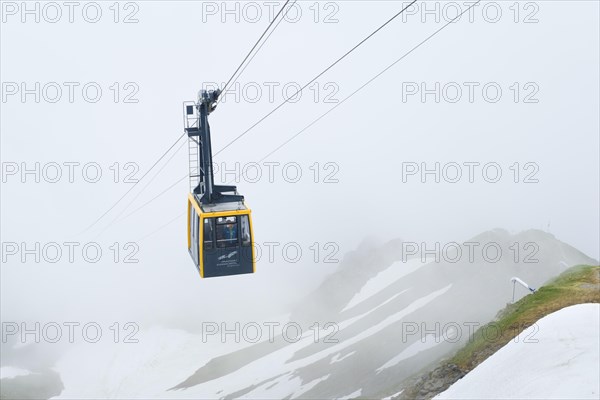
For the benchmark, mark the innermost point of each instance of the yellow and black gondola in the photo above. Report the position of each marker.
(220, 235)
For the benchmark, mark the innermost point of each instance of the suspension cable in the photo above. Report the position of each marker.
(338, 104)
(179, 138)
(316, 77)
(256, 44)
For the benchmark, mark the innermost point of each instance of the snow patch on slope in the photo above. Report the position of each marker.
(11, 372)
(277, 362)
(393, 396)
(426, 343)
(384, 279)
(351, 395)
(556, 358)
(145, 369)
(336, 358)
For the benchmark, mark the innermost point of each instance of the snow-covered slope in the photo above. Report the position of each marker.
(371, 299)
(556, 358)
(11, 372)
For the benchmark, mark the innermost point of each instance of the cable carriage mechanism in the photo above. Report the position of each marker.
(219, 228)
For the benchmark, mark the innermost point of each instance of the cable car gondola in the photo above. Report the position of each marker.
(219, 228)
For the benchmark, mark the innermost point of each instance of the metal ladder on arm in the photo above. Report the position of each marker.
(194, 163)
(192, 120)
(200, 164)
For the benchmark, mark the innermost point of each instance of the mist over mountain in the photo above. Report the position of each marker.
(385, 313)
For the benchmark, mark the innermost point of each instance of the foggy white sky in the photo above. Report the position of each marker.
(171, 52)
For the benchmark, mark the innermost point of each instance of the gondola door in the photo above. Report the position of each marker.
(193, 225)
(226, 245)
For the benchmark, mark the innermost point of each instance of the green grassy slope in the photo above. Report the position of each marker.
(577, 285)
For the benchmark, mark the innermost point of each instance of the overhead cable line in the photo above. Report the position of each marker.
(255, 45)
(180, 137)
(134, 185)
(341, 102)
(316, 77)
(290, 97)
